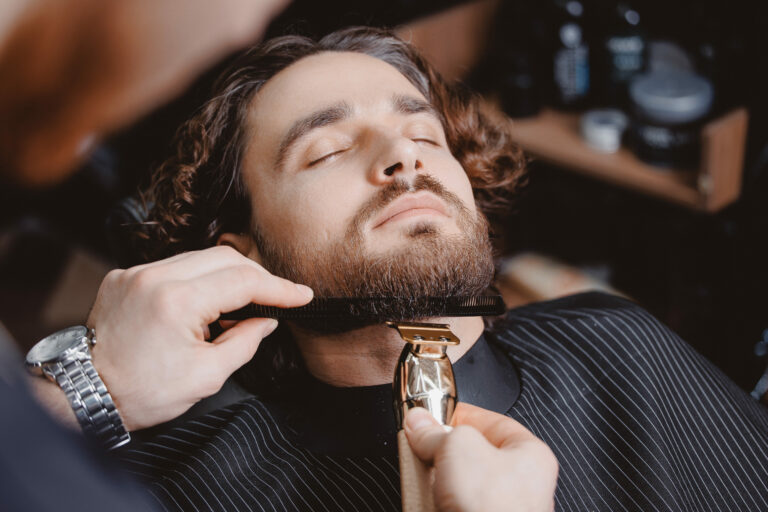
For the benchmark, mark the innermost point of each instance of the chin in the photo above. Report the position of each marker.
(422, 229)
(408, 234)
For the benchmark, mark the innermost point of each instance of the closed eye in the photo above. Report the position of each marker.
(325, 158)
(424, 139)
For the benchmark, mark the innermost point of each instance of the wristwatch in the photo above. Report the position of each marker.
(65, 358)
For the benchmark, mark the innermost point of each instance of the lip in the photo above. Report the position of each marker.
(411, 204)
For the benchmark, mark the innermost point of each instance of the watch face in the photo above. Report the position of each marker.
(52, 347)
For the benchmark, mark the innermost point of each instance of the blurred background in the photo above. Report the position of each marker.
(647, 127)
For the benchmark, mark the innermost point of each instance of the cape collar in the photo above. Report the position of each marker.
(360, 421)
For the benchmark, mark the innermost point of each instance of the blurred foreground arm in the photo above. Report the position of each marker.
(488, 462)
(76, 69)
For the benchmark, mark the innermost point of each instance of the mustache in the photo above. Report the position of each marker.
(422, 182)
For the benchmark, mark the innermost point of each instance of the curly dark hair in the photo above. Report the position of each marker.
(199, 192)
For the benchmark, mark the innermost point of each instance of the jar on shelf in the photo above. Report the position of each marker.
(669, 108)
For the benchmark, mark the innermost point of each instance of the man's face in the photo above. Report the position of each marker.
(351, 177)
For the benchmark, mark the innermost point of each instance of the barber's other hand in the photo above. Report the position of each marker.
(151, 325)
(487, 462)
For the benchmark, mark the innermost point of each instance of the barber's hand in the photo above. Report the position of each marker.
(488, 462)
(151, 325)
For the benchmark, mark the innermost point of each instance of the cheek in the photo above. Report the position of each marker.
(457, 181)
(312, 209)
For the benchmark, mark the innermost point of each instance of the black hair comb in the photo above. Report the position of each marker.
(357, 308)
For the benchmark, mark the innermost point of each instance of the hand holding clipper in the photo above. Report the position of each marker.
(423, 378)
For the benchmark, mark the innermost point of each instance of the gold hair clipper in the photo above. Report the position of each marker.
(423, 378)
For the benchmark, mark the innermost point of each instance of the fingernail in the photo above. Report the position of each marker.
(419, 418)
(305, 290)
(270, 328)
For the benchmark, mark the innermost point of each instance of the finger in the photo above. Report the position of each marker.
(231, 288)
(424, 433)
(193, 264)
(501, 431)
(237, 345)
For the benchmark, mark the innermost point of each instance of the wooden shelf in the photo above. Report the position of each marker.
(554, 136)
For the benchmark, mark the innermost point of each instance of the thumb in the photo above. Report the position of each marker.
(424, 433)
(237, 345)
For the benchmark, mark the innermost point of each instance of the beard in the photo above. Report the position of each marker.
(429, 263)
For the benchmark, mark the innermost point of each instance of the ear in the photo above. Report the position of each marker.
(242, 243)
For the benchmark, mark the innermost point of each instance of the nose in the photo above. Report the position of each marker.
(398, 158)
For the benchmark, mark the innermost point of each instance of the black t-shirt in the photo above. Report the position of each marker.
(637, 419)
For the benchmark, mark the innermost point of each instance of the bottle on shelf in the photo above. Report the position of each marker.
(621, 54)
(570, 77)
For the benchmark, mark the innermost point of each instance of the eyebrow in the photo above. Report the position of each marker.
(403, 104)
(313, 121)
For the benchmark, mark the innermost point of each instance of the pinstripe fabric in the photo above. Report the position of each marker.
(636, 418)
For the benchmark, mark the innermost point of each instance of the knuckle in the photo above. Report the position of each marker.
(225, 252)
(543, 454)
(110, 285)
(223, 249)
(142, 280)
(113, 277)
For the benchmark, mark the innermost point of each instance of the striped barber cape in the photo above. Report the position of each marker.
(637, 419)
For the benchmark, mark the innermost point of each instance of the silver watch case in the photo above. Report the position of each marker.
(72, 343)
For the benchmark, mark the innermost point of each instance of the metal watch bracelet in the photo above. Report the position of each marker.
(93, 405)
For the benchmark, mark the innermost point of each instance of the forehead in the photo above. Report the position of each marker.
(319, 81)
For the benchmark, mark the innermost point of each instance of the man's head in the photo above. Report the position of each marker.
(345, 164)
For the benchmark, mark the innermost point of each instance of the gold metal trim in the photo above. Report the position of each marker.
(424, 375)
(417, 333)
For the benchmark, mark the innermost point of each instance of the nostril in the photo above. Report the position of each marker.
(389, 171)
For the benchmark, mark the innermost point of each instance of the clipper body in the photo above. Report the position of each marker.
(424, 375)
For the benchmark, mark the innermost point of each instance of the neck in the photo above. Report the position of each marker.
(367, 356)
